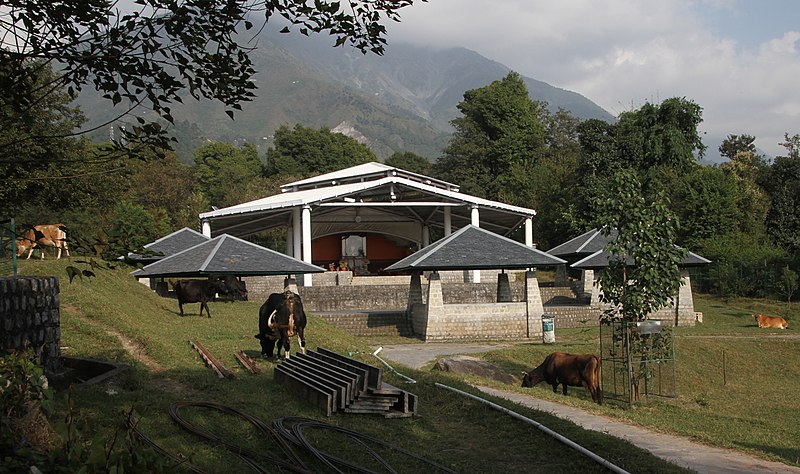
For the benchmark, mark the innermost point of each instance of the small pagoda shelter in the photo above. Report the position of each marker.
(473, 248)
(587, 253)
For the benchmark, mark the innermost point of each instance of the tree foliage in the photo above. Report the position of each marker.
(783, 219)
(642, 275)
(222, 167)
(497, 134)
(663, 135)
(706, 205)
(23, 163)
(735, 144)
(158, 50)
(406, 160)
(304, 151)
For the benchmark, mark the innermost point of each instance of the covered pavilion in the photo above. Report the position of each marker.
(366, 217)
(473, 248)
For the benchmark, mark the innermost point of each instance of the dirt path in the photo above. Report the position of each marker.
(159, 380)
(675, 449)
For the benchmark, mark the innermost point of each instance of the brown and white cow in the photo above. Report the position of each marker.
(770, 321)
(43, 236)
(567, 369)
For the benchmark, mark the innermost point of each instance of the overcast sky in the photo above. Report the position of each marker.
(738, 59)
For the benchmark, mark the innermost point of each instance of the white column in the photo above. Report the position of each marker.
(426, 236)
(205, 228)
(476, 221)
(306, 224)
(448, 223)
(529, 232)
(297, 240)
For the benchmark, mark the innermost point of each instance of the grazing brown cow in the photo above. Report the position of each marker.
(770, 321)
(567, 369)
(43, 236)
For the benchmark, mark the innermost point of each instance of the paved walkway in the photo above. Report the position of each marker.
(680, 451)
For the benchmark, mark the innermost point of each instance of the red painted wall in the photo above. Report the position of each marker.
(381, 251)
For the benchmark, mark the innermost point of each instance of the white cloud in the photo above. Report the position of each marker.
(622, 53)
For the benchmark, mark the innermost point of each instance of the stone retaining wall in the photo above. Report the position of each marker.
(478, 321)
(29, 314)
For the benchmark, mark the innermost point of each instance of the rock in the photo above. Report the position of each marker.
(473, 366)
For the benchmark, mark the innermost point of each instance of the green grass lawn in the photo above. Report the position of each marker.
(112, 317)
(737, 384)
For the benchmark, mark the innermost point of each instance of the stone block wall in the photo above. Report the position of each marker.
(478, 321)
(336, 298)
(29, 313)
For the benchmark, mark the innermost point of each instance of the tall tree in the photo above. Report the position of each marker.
(706, 205)
(23, 163)
(542, 186)
(497, 134)
(642, 275)
(304, 151)
(153, 53)
(659, 142)
(783, 219)
(223, 167)
(734, 144)
(748, 170)
(169, 186)
(409, 161)
(663, 135)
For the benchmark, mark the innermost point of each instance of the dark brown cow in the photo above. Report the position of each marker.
(198, 291)
(234, 289)
(279, 318)
(43, 236)
(567, 369)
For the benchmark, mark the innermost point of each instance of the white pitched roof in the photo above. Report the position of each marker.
(394, 194)
(318, 195)
(364, 172)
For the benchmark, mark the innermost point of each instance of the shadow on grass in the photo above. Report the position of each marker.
(788, 455)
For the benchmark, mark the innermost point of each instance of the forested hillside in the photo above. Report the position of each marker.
(401, 101)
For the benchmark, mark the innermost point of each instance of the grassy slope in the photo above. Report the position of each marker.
(459, 433)
(751, 406)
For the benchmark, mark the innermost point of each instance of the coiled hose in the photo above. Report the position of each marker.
(289, 434)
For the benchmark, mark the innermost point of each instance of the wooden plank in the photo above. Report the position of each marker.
(247, 362)
(211, 361)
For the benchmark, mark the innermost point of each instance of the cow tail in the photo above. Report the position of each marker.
(597, 369)
(290, 330)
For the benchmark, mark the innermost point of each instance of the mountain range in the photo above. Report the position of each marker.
(400, 101)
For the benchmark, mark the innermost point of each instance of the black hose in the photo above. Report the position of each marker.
(289, 434)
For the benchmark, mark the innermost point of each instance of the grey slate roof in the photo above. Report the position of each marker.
(601, 258)
(473, 248)
(584, 244)
(170, 245)
(226, 255)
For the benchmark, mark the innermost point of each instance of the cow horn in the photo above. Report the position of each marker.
(524, 373)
